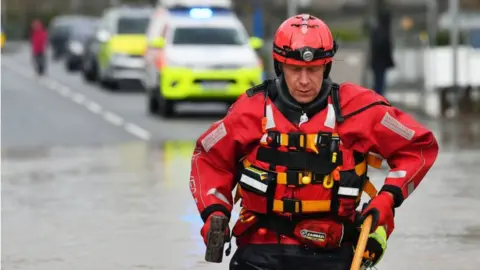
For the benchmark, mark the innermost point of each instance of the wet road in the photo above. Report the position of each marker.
(89, 181)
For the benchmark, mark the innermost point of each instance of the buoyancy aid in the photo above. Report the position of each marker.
(303, 169)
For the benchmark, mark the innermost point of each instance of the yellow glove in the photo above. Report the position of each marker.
(376, 247)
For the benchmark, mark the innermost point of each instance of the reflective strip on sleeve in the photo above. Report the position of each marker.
(219, 195)
(397, 174)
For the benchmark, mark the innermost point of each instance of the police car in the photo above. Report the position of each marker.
(198, 51)
(121, 44)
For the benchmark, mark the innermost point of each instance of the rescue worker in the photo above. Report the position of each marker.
(297, 149)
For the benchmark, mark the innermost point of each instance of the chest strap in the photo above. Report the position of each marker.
(279, 205)
(304, 161)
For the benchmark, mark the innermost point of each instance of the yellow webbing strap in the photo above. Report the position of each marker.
(361, 168)
(370, 189)
(374, 161)
(306, 206)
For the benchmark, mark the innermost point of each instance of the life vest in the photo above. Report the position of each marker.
(303, 170)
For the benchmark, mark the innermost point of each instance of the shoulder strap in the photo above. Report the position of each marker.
(337, 107)
(336, 102)
(257, 89)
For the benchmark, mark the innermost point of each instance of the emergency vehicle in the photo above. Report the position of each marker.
(198, 51)
(121, 44)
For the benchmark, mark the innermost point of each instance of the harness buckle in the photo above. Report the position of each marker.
(317, 178)
(292, 206)
(292, 179)
(324, 140)
(297, 140)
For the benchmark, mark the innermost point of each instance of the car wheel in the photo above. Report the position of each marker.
(109, 84)
(166, 107)
(89, 71)
(70, 66)
(152, 101)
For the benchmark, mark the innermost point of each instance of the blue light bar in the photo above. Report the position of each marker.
(201, 13)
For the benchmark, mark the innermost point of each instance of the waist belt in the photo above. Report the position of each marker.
(286, 226)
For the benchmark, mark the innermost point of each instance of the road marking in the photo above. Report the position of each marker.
(93, 107)
(113, 118)
(64, 91)
(137, 131)
(79, 98)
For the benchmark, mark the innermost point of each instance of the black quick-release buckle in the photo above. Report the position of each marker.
(334, 144)
(292, 178)
(294, 140)
(324, 140)
(317, 178)
(292, 205)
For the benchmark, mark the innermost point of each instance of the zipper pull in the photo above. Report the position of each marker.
(303, 119)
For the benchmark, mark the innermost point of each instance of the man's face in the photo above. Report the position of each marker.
(304, 83)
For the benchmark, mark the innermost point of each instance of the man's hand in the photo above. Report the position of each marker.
(206, 226)
(381, 209)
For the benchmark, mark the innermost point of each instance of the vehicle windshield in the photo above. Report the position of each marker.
(133, 25)
(83, 30)
(208, 36)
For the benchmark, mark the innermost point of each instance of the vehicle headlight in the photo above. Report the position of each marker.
(76, 47)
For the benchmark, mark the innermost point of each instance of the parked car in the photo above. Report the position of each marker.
(77, 42)
(60, 29)
(116, 53)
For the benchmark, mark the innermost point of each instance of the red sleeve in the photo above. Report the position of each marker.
(409, 147)
(216, 157)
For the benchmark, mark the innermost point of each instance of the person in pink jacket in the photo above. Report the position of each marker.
(38, 42)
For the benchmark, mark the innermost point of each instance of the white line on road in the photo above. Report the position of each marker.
(82, 99)
(137, 131)
(64, 91)
(113, 118)
(78, 98)
(93, 107)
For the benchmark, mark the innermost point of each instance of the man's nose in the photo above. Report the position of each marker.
(303, 76)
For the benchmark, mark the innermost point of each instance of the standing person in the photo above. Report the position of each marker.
(381, 58)
(38, 42)
(297, 146)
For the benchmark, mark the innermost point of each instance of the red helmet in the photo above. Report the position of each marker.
(303, 40)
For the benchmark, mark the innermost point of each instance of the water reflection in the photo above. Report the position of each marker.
(129, 206)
